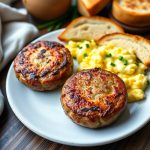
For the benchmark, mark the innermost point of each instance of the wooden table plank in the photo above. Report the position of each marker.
(14, 135)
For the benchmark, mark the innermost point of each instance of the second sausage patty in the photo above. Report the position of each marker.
(43, 65)
(94, 98)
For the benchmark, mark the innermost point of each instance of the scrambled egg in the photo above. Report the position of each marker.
(122, 62)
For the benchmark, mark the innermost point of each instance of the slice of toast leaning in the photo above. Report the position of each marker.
(124, 40)
(89, 28)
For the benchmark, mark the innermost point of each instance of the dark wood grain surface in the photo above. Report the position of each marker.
(15, 136)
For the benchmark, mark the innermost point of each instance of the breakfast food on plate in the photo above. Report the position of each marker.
(43, 65)
(87, 28)
(79, 50)
(134, 13)
(91, 7)
(94, 97)
(137, 43)
(46, 10)
(117, 55)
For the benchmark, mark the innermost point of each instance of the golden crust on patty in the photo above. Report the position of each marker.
(43, 65)
(94, 98)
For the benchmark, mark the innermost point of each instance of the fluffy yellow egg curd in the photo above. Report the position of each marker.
(122, 62)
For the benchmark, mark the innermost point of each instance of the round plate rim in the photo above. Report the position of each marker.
(35, 130)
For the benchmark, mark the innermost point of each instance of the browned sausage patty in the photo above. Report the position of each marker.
(43, 65)
(94, 98)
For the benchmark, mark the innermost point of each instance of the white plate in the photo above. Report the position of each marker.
(42, 113)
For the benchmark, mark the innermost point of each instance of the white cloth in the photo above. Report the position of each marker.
(15, 33)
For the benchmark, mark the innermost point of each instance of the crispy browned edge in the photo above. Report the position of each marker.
(106, 120)
(47, 84)
(133, 18)
(92, 10)
(60, 37)
(130, 36)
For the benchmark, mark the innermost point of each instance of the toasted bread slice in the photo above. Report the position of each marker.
(138, 43)
(135, 13)
(91, 7)
(89, 28)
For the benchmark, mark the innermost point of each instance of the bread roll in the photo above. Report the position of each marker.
(135, 13)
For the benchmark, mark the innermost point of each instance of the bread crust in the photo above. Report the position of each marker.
(77, 20)
(43, 65)
(143, 55)
(133, 18)
(93, 9)
(94, 97)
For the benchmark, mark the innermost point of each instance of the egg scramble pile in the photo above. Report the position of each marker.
(122, 62)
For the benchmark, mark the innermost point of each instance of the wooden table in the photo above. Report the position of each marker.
(14, 135)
